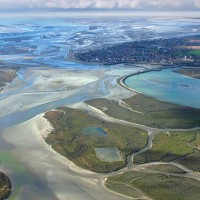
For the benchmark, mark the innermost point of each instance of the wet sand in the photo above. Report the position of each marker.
(36, 171)
(60, 178)
(49, 175)
(47, 81)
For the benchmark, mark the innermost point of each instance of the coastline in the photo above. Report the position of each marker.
(90, 176)
(44, 128)
(43, 132)
(71, 58)
(50, 74)
(151, 70)
(44, 161)
(102, 176)
(121, 82)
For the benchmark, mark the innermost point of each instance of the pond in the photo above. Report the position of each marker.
(108, 154)
(94, 131)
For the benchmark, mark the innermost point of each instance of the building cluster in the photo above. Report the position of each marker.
(161, 51)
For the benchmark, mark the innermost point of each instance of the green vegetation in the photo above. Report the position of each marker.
(180, 146)
(66, 139)
(195, 52)
(191, 161)
(155, 186)
(192, 72)
(150, 112)
(167, 168)
(122, 188)
(5, 186)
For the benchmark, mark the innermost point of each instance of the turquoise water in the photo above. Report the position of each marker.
(94, 131)
(168, 86)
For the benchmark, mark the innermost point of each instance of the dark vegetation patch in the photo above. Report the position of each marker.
(5, 186)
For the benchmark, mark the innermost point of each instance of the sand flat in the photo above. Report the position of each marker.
(57, 175)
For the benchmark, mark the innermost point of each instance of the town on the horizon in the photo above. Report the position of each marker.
(172, 51)
(100, 99)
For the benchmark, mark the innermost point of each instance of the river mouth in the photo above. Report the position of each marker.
(167, 85)
(39, 46)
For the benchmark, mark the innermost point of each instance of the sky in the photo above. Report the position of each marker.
(103, 4)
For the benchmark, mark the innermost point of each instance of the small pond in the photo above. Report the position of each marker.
(94, 131)
(108, 154)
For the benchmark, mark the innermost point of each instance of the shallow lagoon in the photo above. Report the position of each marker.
(167, 85)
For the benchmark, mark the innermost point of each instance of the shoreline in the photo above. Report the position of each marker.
(71, 58)
(151, 132)
(188, 74)
(121, 82)
(151, 70)
(86, 173)
(102, 176)
(43, 130)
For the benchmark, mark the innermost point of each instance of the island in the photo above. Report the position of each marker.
(92, 143)
(146, 148)
(5, 186)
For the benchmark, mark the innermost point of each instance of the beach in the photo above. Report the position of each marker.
(63, 178)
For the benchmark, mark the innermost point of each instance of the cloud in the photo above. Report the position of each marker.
(102, 4)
